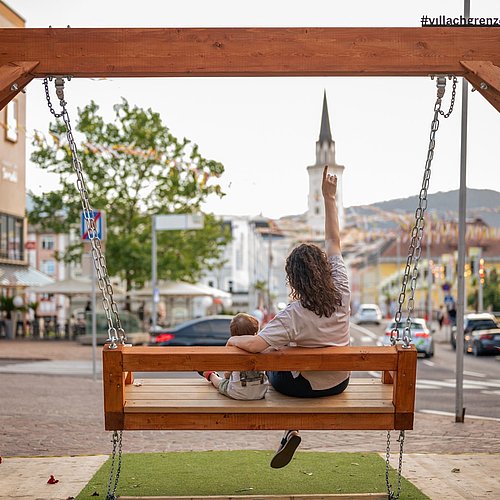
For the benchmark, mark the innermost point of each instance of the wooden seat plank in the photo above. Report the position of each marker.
(207, 406)
(259, 421)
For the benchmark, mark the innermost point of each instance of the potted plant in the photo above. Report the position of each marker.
(7, 306)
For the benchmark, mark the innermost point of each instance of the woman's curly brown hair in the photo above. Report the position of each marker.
(309, 274)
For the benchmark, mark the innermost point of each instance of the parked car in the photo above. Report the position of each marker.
(481, 334)
(421, 336)
(368, 313)
(206, 331)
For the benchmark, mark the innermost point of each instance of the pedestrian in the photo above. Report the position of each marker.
(246, 385)
(318, 316)
(441, 316)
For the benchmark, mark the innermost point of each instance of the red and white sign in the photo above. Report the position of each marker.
(30, 245)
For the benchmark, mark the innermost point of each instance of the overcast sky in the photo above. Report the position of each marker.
(264, 130)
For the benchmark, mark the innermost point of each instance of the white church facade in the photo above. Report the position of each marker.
(325, 155)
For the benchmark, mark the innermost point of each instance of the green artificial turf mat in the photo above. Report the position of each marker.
(232, 473)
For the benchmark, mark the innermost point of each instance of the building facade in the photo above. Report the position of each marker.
(12, 166)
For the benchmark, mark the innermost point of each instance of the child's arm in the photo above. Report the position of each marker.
(250, 343)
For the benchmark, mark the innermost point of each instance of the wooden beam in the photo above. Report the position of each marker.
(160, 52)
(14, 76)
(113, 380)
(155, 359)
(484, 76)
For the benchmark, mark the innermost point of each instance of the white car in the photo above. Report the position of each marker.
(368, 313)
(421, 336)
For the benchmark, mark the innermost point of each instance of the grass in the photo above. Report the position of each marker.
(232, 473)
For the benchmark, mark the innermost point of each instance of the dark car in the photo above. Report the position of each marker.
(481, 334)
(206, 331)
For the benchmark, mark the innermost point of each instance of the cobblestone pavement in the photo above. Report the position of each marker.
(50, 415)
(59, 415)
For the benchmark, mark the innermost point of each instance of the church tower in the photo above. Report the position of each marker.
(325, 155)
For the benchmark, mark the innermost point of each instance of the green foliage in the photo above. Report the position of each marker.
(491, 292)
(8, 306)
(134, 168)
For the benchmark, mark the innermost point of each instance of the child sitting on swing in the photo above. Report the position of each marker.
(247, 385)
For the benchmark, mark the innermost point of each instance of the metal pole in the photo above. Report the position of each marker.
(462, 203)
(429, 280)
(94, 326)
(153, 274)
(269, 271)
(480, 304)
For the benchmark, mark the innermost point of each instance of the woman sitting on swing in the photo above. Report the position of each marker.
(317, 317)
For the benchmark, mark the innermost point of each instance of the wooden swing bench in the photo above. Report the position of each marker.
(384, 403)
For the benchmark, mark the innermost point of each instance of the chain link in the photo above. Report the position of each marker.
(394, 495)
(453, 95)
(115, 331)
(116, 439)
(411, 275)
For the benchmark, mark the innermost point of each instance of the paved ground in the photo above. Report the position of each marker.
(50, 415)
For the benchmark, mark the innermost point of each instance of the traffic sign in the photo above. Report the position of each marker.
(172, 222)
(99, 225)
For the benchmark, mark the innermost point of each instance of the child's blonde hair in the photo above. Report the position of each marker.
(244, 324)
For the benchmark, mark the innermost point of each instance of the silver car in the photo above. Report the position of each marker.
(368, 313)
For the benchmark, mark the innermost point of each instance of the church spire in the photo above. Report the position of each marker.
(325, 134)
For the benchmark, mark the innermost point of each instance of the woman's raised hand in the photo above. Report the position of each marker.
(329, 184)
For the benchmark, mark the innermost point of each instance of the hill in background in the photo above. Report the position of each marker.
(481, 203)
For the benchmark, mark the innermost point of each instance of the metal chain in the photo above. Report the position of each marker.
(414, 253)
(117, 445)
(453, 95)
(415, 247)
(401, 439)
(115, 333)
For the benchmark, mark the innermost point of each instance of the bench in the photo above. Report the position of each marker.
(384, 403)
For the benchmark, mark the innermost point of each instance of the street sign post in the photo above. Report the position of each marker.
(171, 222)
(99, 222)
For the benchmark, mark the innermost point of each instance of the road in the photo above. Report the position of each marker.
(436, 377)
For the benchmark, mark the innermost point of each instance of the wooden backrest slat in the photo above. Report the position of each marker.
(155, 359)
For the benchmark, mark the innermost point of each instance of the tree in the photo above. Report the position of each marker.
(491, 292)
(134, 168)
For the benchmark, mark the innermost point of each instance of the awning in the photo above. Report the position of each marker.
(71, 287)
(12, 276)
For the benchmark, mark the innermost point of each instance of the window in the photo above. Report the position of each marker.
(49, 267)
(11, 121)
(48, 243)
(11, 237)
(239, 252)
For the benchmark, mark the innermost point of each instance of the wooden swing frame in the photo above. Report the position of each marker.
(471, 52)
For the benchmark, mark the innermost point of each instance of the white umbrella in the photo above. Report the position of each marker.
(180, 289)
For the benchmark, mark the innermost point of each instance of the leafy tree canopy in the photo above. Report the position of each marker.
(134, 168)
